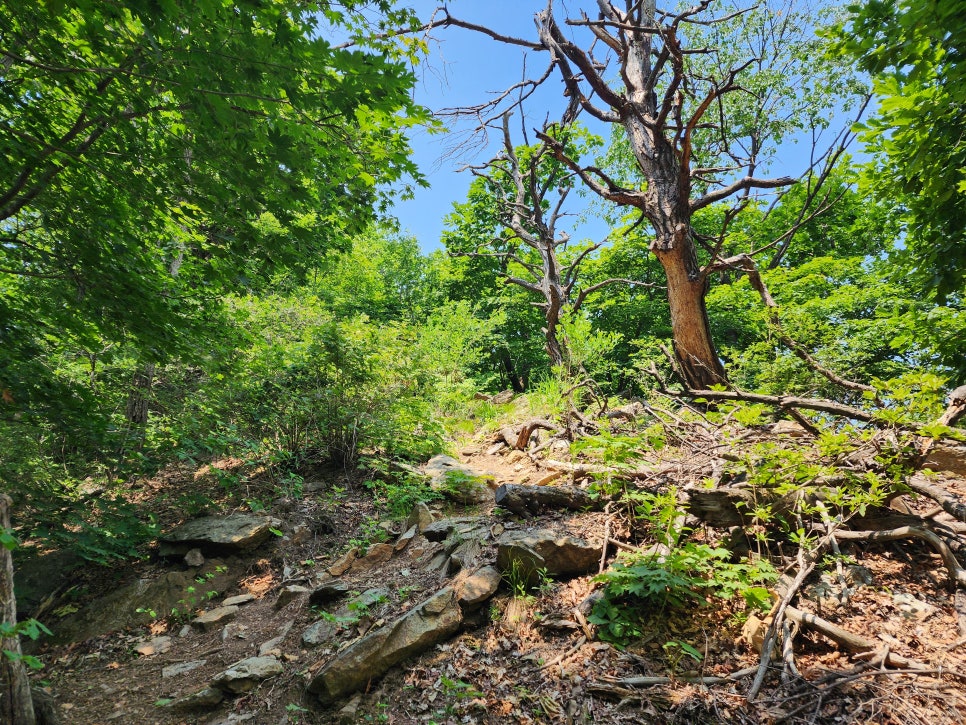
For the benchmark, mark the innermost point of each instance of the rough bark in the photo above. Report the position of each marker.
(136, 410)
(529, 500)
(16, 705)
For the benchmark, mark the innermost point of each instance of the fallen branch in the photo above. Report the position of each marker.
(951, 505)
(646, 681)
(806, 564)
(586, 470)
(529, 500)
(956, 572)
(847, 640)
(561, 657)
(785, 402)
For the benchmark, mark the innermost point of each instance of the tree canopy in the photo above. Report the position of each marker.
(151, 150)
(916, 53)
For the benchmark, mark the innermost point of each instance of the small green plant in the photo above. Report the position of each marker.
(397, 492)
(676, 651)
(294, 711)
(32, 629)
(677, 574)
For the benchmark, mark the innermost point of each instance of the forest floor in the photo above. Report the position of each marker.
(531, 659)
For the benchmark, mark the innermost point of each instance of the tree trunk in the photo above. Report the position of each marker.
(137, 401)
(16, 705)
(693, 347)
(666, 204)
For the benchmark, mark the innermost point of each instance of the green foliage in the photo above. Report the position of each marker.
(30, 628)
(844, 311)
(683, 576)
(397, 492)
(676, 573)
(914, 50)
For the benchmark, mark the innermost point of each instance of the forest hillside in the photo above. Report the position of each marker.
(268, 457)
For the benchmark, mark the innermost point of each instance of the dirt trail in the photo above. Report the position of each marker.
(518, 660)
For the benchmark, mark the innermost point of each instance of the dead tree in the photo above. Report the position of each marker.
(637, 69)
(530, 192)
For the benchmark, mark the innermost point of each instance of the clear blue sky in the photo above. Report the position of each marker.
(465, 68)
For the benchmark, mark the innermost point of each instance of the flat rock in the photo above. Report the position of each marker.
(156, 646)
(204, 699)
(244, 675)
(353, 668)
(421, 516)
(479, 587)
(321, 631)
(368, 599)
(271, 647)
(238, 600)
(404, 538)
(462, 526)
(134, 604)
(464, 555)
(329, 591)
(215, 618)
(533, 552)
(181, 668)
(912, 608)
(457, 482)
(225, 534)
(290, 593)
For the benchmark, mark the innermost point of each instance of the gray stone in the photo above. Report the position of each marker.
(289, 594)
(321, 631)
(408, 535)
(244, 675)
(238, 631)
(329, 591)
(353, 668)
(226, 534)
(464, 555)
(313, 486)
(205, 699)
(130, 605)
(238, 600)
(458, 526)
(37, 577)
(912, 608)
(215, 618)
(156, 646)
(368, 599)
(479, 587)
(182, 667)
(272, 646)
(531, 553)
(458, 482)
(349, 714)
(503, 397)
(421, 516)
(235, 718)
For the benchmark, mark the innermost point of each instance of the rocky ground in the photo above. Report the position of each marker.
(316, 610)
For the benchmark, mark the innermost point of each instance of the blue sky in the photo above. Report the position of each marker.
(465, 68)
